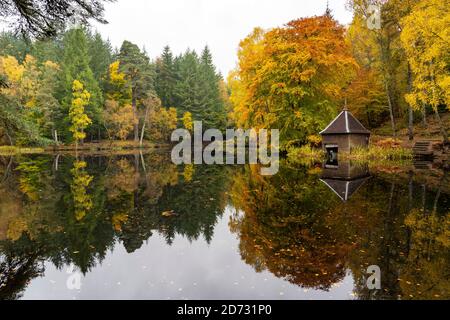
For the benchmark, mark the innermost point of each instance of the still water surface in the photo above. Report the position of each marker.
(138, 227)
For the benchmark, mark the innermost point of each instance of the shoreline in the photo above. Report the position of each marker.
(90, 148)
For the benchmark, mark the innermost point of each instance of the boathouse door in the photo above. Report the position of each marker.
(332, 153)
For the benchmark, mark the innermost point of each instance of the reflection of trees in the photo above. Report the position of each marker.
(197, 203)
(404, 233)
(76, 211)
(297, 229)
(290, 224)
(16, 271)
(285, 229)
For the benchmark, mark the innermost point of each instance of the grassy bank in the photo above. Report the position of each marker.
(373, 153)
(102, 146)
(296, 153)
(379, 153)
(12, 150)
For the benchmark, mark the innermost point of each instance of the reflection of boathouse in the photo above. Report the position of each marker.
(344, 133)
(344, 178)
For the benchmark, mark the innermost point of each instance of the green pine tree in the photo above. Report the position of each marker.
(100, 52)
(76, 65)
(139, 74)
(215, 109)
(165, 78)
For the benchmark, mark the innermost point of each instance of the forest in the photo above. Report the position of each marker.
(78, 88)
(74, 87)
(298, 77)
(63, 87)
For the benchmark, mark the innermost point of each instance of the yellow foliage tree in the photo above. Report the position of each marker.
(426, 39)
(118, 114)
(77, 115)
(188, 172)
(187, 121)
(120, 120)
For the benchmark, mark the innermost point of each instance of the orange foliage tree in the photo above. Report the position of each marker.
(292, 78)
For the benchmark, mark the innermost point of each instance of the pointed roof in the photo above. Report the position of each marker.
(344, 189)
(345, 178)
(345, 123)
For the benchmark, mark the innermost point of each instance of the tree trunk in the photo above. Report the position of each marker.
(142, 135)
(424, 115)
(143, 164)
(76, 150)
(410, 207)
(441, 126)
(143, 127)
(436, 111)
(57, 162)
(410, 110)
(9, 138)
(136, 124)
(424, 198)
(7, 170)
(391, 111)
(369, 120)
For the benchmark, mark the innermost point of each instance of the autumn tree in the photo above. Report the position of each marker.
(30, 95)
(366, 94)
(426, 40)
(292, 78)
(44, 19)
(384, 46)
(139, 74)
(187, 121)
(76, 66)
(36, 92)
(160, 121)
(78, 118)
(119, 120)
(118, 114)
(153, 112)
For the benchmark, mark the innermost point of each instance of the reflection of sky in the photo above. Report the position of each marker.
(182, 271)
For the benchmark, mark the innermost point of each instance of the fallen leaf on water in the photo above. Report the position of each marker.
(170, 213)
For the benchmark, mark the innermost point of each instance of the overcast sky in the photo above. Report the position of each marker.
(220, 24)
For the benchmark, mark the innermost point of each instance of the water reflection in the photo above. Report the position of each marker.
(310, 225)
(344, 178)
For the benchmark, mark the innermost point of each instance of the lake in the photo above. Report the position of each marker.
(136, 226)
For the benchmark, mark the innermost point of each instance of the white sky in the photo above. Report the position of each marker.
(220, 24)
